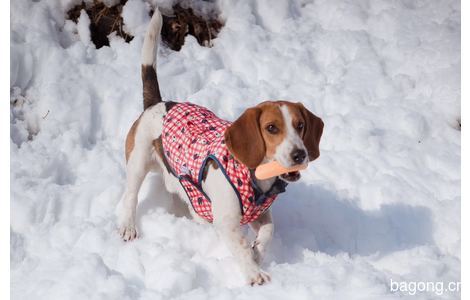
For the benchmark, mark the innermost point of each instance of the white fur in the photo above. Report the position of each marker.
(291, 141)
(152, 37)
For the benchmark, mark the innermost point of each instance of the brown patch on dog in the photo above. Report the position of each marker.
(312, 131)
(151, 90)
(272, 115)
(298, 119)
(244, 139)
(130, 139)
(169, 105)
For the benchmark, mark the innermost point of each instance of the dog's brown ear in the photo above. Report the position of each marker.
(244, 139)
(312, 133)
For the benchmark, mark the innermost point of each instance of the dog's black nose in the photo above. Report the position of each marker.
(298, 156)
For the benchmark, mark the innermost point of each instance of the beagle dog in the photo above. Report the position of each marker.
(208, 162)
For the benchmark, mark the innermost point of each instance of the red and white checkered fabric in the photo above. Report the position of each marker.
(191, 135)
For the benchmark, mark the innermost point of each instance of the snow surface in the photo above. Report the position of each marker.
(381, 203)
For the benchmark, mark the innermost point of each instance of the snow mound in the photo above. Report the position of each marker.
(381, 203)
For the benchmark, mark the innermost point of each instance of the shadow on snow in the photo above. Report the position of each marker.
(312, 217)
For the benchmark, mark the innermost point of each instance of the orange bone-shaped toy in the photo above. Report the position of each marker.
(273, 168)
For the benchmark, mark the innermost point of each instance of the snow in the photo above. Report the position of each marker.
(83, 27)
(382, 202)
(135, 14)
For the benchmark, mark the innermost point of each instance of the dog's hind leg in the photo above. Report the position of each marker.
(137, 168)
(141, 158)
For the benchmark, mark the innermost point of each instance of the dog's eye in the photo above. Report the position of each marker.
(272, 129)
(300, 126)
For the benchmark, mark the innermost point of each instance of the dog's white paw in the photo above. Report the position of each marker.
(128, 233)
(259, 278)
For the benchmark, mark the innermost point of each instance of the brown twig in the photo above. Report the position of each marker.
(44, 117)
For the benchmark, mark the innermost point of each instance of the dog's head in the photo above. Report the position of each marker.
(275, 130)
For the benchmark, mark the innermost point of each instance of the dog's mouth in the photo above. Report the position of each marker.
(291, 176)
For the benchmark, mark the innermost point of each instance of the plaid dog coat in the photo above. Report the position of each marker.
(191, 136)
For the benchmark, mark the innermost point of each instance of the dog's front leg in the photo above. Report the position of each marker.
(227, 216)
(264, 228)
(230, 232)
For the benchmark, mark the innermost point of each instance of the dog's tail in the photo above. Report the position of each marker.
(151, 90)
